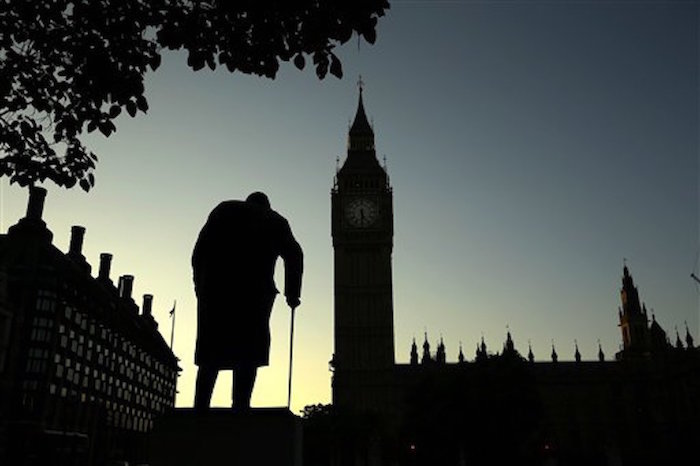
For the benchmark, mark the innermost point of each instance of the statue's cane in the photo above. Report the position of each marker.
(291, 348)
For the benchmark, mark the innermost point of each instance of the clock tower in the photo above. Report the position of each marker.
(362, 230)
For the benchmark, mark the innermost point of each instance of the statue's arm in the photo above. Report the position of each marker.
(293, 258)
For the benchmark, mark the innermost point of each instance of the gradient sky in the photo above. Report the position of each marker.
(531, 146)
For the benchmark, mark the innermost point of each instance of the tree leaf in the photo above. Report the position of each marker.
(131, 108)
(141, 103)
(114, 111)
(336, 67)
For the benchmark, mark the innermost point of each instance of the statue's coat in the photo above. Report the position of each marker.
(233, 264)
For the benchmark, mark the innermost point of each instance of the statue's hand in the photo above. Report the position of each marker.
(293, 302)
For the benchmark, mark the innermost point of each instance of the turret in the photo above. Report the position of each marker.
(688, 338)
(414, 352)
(679, 343)
(481, 354)
(426, 359)
(440, 355)
(633, 318)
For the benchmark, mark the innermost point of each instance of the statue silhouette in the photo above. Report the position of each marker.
(233, 266)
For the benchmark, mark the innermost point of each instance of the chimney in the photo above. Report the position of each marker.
(126, 284)
(105, 265)
(77, 234)
(32, 226)
(35, 206)
(147, 304)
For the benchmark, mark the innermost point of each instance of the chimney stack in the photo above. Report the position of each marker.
(32, 226)
(147, 304)
(105, 265)
(126, 284)
(77, 234)
(35, 206)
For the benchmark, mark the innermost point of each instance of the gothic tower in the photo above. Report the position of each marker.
(362, 230)
(633, 318)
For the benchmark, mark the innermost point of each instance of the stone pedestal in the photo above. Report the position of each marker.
(220, 437)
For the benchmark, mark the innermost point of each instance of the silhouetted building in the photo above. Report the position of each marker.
(82, 372)
(643, 407)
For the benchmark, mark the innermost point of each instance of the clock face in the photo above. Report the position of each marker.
(362, 212)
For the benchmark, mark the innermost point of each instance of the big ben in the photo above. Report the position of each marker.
(362, 230)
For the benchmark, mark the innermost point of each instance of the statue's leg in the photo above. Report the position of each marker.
(206, 378)
(243, 381)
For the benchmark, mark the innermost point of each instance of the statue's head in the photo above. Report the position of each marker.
(259, 199)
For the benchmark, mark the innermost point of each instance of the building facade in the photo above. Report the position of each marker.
(83, 373)
(641, 407)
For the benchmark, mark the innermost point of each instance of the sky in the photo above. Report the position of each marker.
(532, 148)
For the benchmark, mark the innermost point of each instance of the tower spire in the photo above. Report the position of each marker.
(577, 353)
(688, 338)
(361, 136)
(414, 352)
(426, 359)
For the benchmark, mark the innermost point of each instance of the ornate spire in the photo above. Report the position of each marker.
(633, 317)
(530, 355)
(679, 343)
(426, 350)
(509, 346)
(361, 133)
(601, 355)
(414, 352)
(555, 357)
(441, 356)
(460, 358)
(688, 338)
(577, 354)
(481, 354)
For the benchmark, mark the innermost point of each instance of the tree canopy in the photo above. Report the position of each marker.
(72, 66)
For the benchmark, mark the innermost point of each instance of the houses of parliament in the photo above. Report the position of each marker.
(640, 406)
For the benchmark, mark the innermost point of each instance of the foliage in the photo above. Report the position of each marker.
(72, 66)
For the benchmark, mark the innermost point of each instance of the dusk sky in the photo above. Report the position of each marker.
(531, 147)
